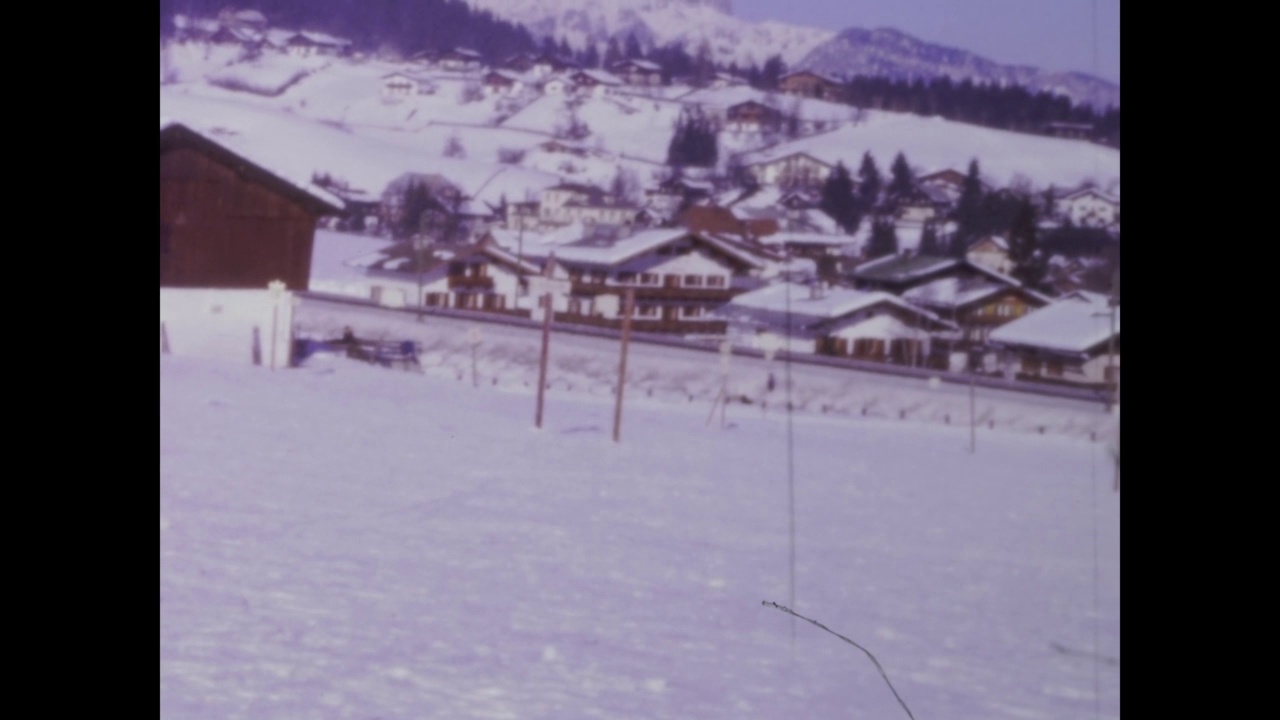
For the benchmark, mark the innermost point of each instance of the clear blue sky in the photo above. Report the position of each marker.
(1050, 34)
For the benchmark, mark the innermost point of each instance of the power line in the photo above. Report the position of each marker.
(883, 674)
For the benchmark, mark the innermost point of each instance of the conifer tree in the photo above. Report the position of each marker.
(415, 202)
(969, 207)
(1030, 265)
(774, 69)
(930, 243)
(632, 50)
(869, 184)
(612, 54)
(838, 199)
(884, 238)
(902, 180)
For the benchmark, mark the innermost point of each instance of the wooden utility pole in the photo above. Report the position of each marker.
(542, 358)
(973, 421)
(628, 306)
(473, 337)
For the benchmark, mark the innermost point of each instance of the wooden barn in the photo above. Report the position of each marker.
(227, 222)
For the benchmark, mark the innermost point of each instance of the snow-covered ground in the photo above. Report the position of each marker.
(345, 541)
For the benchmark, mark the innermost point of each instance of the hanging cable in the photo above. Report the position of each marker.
(791, 461)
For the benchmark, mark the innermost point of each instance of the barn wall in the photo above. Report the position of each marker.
(227, 231)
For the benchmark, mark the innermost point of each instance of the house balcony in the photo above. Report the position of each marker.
(658, 292)
(466, 282)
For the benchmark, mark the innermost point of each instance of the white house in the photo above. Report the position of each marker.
(1089, 207)
(569, 203)
(460, 60)
(832, 321)
(306, 43)
(638, 72)
(1074, 340)
(991, 252)
(472, 277)
(401, 85)
(557, 85)
(596, 83)
(724, 80)
(798, 168)
(504, 83)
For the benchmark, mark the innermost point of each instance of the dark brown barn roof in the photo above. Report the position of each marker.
(176, 135)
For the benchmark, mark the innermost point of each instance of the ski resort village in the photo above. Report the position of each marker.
(685, 335)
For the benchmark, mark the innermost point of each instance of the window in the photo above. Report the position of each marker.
(1053, 368)
(627, 278)
(691, 311)
(692, 280)
(647, 310)
(648, 278)
(716, 281)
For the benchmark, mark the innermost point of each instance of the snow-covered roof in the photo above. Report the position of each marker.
(951, 292)
(511, 75)
(831, 304)
(900, 268)
(996, 240)
(1084, 192)
(801, 238)
(320, 38)
(401, 257)
(262, 162)
(1075, 324)
(818, 75)
(606, 246)
(642, 64)
(600, 76)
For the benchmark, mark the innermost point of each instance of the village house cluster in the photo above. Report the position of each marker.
(696, 264)
(756, 261)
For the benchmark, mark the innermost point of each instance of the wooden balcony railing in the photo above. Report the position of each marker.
(468, 282)
(658, 292)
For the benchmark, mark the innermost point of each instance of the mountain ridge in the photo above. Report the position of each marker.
(893, 54)
(884, 52)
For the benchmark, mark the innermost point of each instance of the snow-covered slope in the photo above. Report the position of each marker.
(932, 144)
(297, 148)
(885, 52)
(659, 22)
(344, 541)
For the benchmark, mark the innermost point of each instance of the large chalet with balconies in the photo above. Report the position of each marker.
(678, 276)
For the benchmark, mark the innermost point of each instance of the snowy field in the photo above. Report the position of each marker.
(341, 541)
